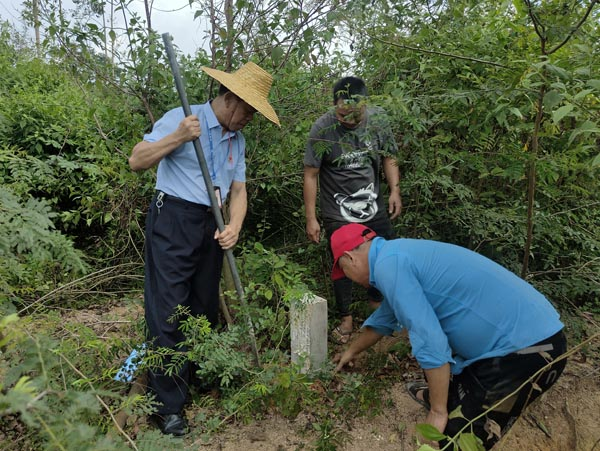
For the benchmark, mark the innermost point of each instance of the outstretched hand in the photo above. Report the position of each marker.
(365, 339)
(346, 358)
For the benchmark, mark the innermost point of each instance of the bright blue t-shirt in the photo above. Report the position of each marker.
(179, 173)
(457, 305)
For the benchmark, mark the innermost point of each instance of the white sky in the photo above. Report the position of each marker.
(168, 16)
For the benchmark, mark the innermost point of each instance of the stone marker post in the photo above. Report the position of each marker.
(308, 319)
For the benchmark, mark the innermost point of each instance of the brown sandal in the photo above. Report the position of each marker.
(415, 387)
(339, 336)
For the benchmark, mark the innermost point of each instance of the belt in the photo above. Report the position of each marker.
(535, 349)
(161, 197)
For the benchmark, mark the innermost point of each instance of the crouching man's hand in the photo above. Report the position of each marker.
(365, 339)
(346, 358)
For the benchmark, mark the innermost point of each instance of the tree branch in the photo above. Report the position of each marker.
(434, 52)
(539, 28)
(575, 28)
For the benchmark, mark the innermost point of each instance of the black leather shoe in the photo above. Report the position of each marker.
(172, 423)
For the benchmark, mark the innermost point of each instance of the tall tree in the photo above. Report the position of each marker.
(567, 20)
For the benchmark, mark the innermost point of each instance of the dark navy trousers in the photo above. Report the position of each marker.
(342, 288)
(183, 265)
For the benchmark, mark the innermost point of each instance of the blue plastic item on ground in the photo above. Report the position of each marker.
(127, 372)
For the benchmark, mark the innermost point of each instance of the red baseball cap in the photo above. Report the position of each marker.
(345, 239)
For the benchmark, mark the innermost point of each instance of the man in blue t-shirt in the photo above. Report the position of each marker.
(478, 331)
(184, 248)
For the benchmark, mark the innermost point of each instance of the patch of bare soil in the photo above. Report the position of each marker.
(566, 418)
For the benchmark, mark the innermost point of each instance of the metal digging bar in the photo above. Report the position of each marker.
(211, 192)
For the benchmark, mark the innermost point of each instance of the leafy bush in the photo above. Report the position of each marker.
(67, 142)
(34, 257)
(41, 377)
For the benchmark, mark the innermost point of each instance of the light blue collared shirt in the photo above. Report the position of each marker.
(179, 173)
(457, 305)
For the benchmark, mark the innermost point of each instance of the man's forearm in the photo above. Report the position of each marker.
(438, 380)
(310, 194)
(238, 206)
(392, 174)
(310, 207)
(148, 154)
(367, 338)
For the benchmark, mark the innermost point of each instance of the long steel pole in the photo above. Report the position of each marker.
(211, 191)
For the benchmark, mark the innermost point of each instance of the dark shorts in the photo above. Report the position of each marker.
(342, 288)
(487, 382)
(381, 225)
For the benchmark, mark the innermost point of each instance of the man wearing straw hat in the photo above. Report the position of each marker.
(184, 248)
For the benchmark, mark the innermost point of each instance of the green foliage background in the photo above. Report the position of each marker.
(462, 82)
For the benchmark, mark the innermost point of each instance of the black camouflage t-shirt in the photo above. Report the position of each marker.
(349, 163)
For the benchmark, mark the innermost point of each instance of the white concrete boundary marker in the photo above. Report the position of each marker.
(308, 320)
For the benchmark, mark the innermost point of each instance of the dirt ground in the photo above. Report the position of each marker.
(566, 418)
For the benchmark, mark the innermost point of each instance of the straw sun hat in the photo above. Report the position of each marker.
(251, 84)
